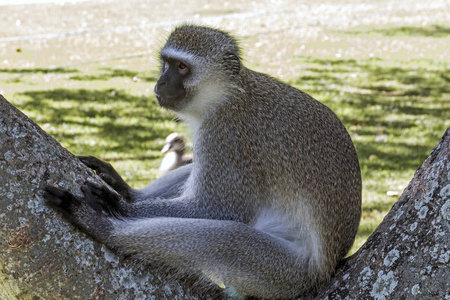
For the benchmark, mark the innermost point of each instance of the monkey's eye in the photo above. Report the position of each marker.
(182, 68)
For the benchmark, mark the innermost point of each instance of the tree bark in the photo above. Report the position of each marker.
(408, 255)
(44, 257)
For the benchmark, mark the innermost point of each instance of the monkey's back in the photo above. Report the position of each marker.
(276, 129)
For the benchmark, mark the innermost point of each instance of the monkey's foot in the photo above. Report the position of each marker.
(85, 213)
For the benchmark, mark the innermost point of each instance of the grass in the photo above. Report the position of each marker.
(395, 111)
(109, 113)
(434, 30)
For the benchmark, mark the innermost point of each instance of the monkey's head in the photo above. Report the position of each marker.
(197, 66)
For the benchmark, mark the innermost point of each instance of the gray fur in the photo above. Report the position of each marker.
(272, 201)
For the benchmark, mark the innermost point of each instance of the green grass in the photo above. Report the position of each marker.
(114, 116)
(434, 30)
(395, 111)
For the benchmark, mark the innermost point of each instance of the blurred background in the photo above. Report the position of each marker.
(85, 72)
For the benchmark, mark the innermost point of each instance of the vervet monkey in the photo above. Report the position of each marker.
(174, 157)
(272, 201)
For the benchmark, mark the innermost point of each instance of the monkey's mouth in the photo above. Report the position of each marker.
(171, 102)
(162, 101)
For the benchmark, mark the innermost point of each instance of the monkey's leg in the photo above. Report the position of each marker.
(235, 256)
(85, 212)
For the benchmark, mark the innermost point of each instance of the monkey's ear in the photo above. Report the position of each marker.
(233, 63)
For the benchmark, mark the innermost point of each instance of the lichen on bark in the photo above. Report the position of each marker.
(43, 256)
(408, 255)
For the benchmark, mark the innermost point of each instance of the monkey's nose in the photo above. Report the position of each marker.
(156, 89)
(158, 85)
(161, 82)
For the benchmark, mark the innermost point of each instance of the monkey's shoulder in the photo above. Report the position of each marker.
(264, 101)
(264, 90)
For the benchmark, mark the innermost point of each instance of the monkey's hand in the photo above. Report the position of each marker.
(111, 202)
(109, 175)
(85, 213)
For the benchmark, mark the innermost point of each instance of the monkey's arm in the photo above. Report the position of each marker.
(102, 198)
(168, 186)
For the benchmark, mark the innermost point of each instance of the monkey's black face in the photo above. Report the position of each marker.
(170, 91)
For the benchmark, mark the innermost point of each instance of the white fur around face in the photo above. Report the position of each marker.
(177, 54)
(205, 92)
(194, 62)
(210, 95)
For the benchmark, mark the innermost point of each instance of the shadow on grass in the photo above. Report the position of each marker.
(109, 73)
(435, 30)
(103, 75)
(392, 156)
(376, 84)
(120, 122)
(38, 70)
(394, 99)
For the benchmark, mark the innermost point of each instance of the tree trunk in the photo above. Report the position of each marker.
(44, 257)
(408, 255)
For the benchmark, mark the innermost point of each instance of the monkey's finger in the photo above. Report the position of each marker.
(61, 199)
(53, 195)
(100, 191)
(107, 178)
(104, 197)
(111, 201)
(90, 199)
(91, 162)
